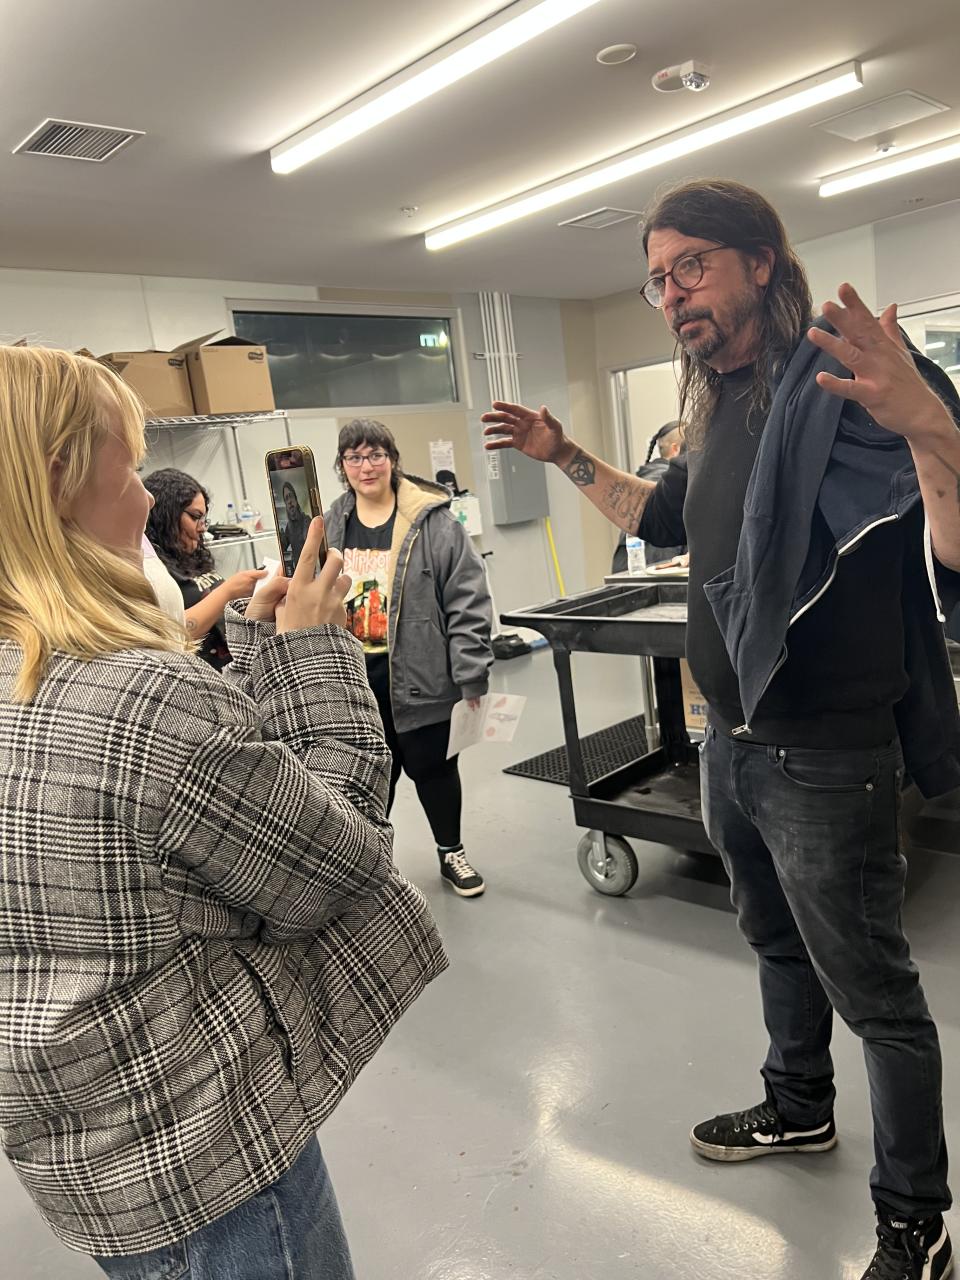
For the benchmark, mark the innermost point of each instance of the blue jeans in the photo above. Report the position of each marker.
(289, 1231)
(811, 843)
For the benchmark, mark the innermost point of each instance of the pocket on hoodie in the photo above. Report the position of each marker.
(424, 661)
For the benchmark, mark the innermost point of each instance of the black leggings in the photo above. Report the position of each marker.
(421, 754)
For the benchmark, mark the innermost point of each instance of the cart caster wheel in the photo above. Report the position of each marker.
(607, 863)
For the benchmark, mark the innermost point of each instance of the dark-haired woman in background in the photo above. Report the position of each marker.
(175, 527)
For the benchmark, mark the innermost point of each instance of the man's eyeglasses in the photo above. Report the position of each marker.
(686, 273)
(198, 517)
(354, 461)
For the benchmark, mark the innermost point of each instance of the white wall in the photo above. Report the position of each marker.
(904, 259)
(543, 380)
(519, 565)
(847, 256)
(653, 400)
(918, 254)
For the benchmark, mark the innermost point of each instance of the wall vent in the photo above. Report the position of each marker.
(71, 140)
(600, 219)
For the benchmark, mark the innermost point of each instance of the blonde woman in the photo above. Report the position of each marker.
(203, 937)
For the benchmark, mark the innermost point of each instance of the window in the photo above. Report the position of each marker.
(322, 360)
(936, 331)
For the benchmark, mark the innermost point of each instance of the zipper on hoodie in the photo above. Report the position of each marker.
(844, 550)
(403, 578)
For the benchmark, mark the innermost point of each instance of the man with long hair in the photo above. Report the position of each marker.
(825, 671)
(294, 533)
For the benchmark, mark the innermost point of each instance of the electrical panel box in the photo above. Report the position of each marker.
(518, 487)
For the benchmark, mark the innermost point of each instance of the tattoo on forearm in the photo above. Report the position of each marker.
(624, 503)
(953, 471)
(582, 470)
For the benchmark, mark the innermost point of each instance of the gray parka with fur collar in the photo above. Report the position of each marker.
(439, 611)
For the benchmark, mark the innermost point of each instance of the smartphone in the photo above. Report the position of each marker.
(292, 476)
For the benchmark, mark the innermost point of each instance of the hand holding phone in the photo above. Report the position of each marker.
(312, 601)
(292, 477)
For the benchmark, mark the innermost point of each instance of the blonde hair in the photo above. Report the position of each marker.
(60, 590)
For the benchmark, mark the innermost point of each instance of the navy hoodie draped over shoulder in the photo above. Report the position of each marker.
(819, 452)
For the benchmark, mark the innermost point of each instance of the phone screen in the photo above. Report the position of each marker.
(295, 502)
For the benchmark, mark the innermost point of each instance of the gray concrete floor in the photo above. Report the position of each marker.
(528, 1119)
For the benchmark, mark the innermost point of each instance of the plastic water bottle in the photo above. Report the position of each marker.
(230, 516)
(248, 519)
(636, 559)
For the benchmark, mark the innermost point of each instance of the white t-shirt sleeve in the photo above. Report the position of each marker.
(169, 596)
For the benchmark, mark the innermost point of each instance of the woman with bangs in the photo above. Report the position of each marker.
(419, 605)
(197, 894)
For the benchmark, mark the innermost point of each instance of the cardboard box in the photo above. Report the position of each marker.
(160, 378)
(230, 375)
(694, 703)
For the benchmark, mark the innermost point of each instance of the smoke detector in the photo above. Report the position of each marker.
(692, 75)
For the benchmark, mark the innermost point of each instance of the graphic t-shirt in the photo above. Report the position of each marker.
(213, 646)
(366, 558)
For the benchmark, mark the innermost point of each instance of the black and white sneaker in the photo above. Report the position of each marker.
(459, 875)
(744, 1135)
(911, 1249)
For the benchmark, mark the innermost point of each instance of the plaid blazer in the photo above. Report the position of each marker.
(203, 937)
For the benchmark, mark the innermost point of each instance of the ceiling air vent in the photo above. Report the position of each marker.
(881, 116)
(71, 140)
(600, 219)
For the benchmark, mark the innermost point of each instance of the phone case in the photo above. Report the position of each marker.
(287, 557)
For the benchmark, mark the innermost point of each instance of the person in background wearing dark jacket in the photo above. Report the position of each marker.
(801, 769)
(175, 528)
(421, 609)
(668, 442)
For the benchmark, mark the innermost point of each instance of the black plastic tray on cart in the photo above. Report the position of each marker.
(655, 797)
(636, 618)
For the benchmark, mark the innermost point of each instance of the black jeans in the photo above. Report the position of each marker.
(811, 843)
(422, 755)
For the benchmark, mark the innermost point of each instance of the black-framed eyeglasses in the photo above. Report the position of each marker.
(686, 273)
(198, 517)
(376, 458)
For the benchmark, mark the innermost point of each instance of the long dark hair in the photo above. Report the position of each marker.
(731, 214)
(373, 433)
(173, 491)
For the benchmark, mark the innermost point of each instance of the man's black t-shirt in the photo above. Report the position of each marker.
(845, 655)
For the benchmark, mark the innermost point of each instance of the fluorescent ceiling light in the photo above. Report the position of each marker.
(476, 48)
(907, 162)
(729, 124)
(934, 346)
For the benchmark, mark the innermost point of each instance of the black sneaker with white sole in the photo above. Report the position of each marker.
(910, 1249)
(459, 875)
(744, 1135)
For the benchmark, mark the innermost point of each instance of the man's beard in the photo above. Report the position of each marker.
(709, 340)
(714, 336)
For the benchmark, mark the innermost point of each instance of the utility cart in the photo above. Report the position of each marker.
(656, 796)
